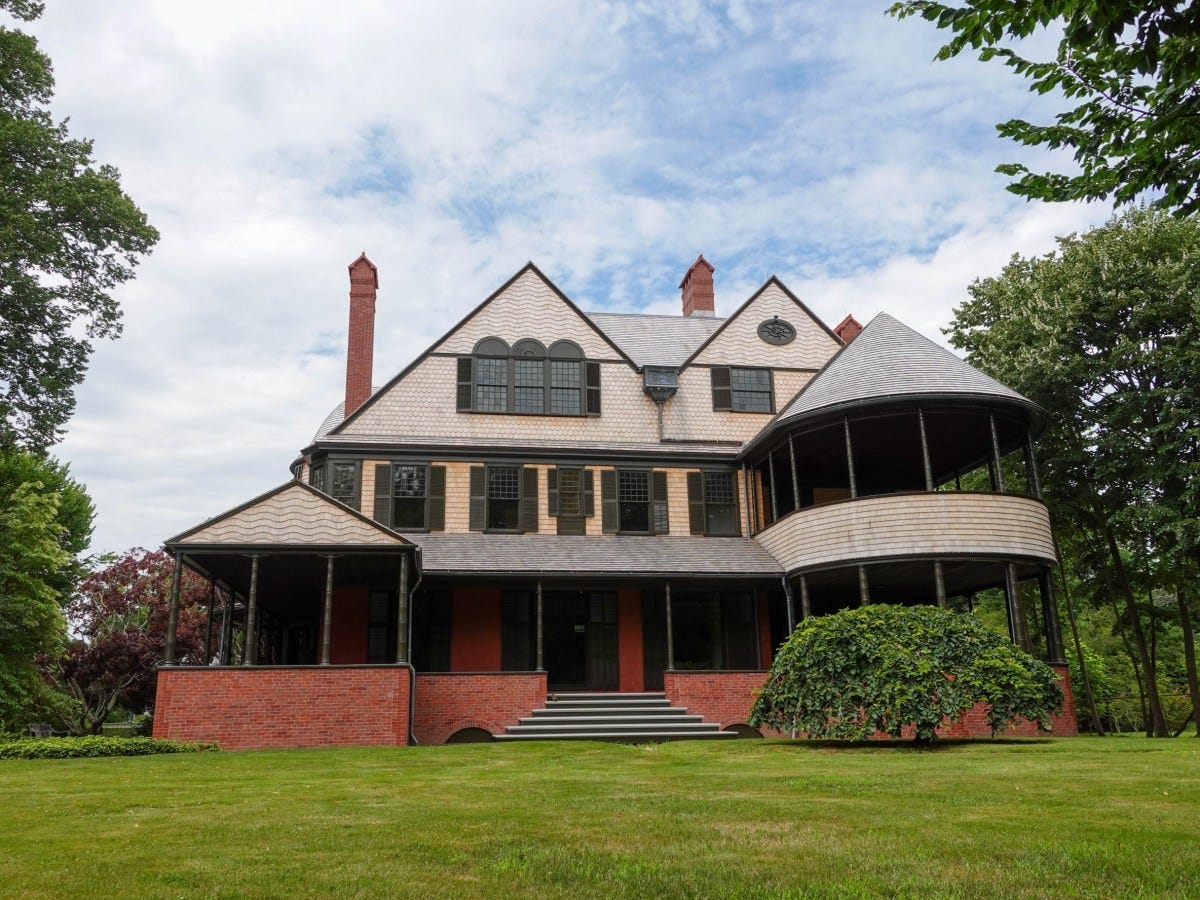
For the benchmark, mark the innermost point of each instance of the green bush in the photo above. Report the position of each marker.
(78, 747)
(883, 668)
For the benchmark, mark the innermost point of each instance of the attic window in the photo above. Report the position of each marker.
(528, 379)
(743, 390)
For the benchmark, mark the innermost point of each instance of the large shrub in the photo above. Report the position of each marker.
(882, 668)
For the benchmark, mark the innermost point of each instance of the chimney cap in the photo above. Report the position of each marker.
(700, 260)
(360, 262)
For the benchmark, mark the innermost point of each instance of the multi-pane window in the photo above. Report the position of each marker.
(503, 497)
(570, 498)
(410, 490)
(742, 390)
(712, 503)
(338, 479)
(570, 492)
(633, 501)
(528, 379)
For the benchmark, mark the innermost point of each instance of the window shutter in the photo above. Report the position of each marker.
(383, 494)
(722, 392)
(660, 521)
(592, 376)
(589, 493)
(696, 502)
(435, 504)
(466, 371)
(552, 490)
(609, 520)
(529, 499)
(478, 512)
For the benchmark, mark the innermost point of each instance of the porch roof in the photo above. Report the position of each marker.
(609, 554)
(292, 516)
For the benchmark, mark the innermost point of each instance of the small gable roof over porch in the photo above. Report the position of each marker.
(293, 516)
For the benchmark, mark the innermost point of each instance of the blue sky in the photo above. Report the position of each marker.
(608, 142)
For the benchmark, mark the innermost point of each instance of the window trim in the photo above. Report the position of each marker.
(560, 351)
(324, 481)
(727, 387)
(698, 502)
(656, 504)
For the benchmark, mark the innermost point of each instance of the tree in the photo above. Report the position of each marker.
(886, 668)
(1134, 70)
(68, 237)
(120, 618)
(1105, 335)
(45, 524)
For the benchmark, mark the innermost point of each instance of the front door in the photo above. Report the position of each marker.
(580, 640)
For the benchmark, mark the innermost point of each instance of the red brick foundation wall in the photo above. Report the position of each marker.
(726, 698)
(284, 706)
(448, 702)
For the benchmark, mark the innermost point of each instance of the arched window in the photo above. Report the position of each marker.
(528, 379)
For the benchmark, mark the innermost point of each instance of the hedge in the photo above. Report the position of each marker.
(80, 747)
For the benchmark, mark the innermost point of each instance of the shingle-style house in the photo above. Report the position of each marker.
(559, 523)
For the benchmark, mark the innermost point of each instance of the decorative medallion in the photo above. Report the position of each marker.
(777, 331)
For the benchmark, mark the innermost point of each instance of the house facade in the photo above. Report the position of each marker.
(564, 524)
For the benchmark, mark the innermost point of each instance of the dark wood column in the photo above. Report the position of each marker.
(771, 473)
(250, 655)
(850, 458)
(541, 629)
(791, 608)
(327, 611)
(670, 633)
(402, 613)
(746, 495)
(1055, 651)
(795, 473)
(939, 583)
(1031, 471)
(925, 458)
(998, 477)
(227, 606)
(208, 628)
(864, 587)
(173, 611)
(805, 600)
(1016, 621)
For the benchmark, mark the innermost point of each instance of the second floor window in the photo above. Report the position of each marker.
(570, 498)
(503, 498)
(528, 379)
(338, 478)
(410, 496)
(712, 503)
(742, 390)
(634, 501)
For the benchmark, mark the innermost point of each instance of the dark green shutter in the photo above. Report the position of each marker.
(383, 494)
(659, 519)
(722, 392)
(466, 369)
(609, 520)
(478, 512)
(592, 376)
(696, 502)
(552, 490)
(435, 514)
(589, 493)
(529, 499)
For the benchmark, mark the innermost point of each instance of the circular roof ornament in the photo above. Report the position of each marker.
(777, 331)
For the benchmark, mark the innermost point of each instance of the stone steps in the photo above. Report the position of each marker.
(583, 716)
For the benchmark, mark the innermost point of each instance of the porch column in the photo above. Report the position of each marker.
(746, 494)
(939, 583)
(670, 634)
(925, 451)
(771, 472)
(795, 475)
(791, 609)
(805, 600)
(1054, 641)
(227, 626)
(250, 656)
(1016, 622)
(173, 612)
(1031, 472)
(402, 613)
(208, 630)
(327, 613)
(999, 472)
(541, 661)
(850, 458)
(864, 587)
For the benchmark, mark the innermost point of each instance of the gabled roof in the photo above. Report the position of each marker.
(889, 361)
(291, 515)
(611, 554)
(656, 340)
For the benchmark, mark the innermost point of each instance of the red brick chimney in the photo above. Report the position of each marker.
(697, 287)
(848, 330)
(360, 345)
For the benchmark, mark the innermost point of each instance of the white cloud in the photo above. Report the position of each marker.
(609, 142)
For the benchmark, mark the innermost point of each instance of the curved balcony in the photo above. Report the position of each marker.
(920, 525)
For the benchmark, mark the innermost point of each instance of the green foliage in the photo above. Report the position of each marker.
(1132, 70)
(82, 747)
(68, 237)
(884, 668)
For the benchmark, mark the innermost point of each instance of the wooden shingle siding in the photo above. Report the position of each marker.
(898, 525)
(738, 344)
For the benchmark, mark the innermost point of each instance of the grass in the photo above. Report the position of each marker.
(1076, 817)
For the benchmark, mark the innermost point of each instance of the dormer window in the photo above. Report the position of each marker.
(528, 379)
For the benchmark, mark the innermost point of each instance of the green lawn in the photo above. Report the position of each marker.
(1085, 817)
